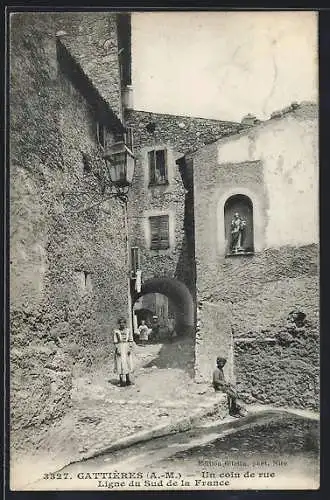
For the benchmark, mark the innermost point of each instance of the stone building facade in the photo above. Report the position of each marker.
(269, 175)
(160, 140)
(68, 257)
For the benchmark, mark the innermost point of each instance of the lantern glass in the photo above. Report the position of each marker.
(120, 161)
(130, 162)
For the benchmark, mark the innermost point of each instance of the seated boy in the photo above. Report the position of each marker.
(220, 384)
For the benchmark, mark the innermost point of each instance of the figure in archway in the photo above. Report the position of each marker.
(143, 332)
(123, 340)
(155, 328)
(181, 307)
(171, 328)
(238, 227)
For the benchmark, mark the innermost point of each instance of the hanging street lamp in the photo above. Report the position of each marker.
(120, 163)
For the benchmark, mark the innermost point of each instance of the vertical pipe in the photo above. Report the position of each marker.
(135, 323)
(128, 270)
(231, 359)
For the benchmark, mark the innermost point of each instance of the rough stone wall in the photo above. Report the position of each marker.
(280, 375)
(254, 294)
(186, 269)
(91, 241)
(36, 362)
(92, 40)
(61, 319)
(213, 341)
(272, 284)
(284, 373)
(269, 272)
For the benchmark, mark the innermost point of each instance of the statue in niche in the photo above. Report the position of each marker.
(237, 231)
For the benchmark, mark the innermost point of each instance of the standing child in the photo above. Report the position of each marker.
(220, 384)
(123, 340)
(155, 328)
(143, 332)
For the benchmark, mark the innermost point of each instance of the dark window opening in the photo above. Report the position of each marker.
(84, 280)
(151, 127)
(157, 160)
(87, 163)
(159, 232)
(238, 214)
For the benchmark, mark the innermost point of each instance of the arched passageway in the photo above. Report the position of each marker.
(180, 300)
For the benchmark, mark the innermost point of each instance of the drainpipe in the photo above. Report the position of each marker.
(128, 268)
(231, 359)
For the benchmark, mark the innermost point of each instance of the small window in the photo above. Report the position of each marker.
(84, 280)
(87, 280)
(100, 132)
(159, 232)
(87, 163)
(157, 160)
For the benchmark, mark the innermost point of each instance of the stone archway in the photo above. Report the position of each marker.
(180, 296)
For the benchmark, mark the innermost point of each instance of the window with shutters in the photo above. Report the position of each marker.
(159, 232)
(157, 160)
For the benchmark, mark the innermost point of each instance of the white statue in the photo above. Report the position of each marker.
(238, 227)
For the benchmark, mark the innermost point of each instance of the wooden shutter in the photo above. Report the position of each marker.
(154, 233)
(164, 232)
(159, 232)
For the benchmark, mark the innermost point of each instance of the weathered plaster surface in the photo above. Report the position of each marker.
(275, 164)
(67, 281)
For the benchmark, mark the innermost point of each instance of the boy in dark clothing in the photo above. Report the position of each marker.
(220, 384)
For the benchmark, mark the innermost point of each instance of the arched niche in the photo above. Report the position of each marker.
(238, 225)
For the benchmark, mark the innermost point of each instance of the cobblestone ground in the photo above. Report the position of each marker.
(103, 412)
